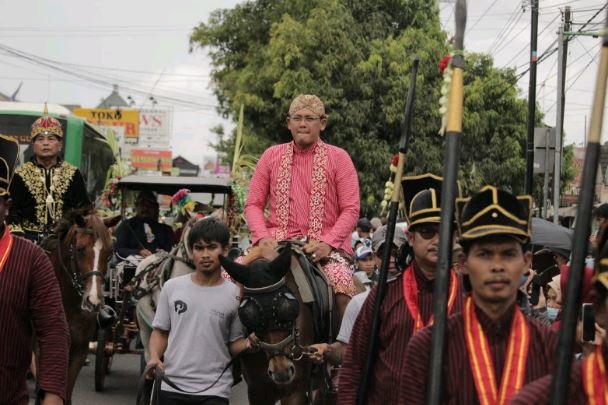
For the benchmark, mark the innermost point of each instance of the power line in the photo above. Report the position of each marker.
(526, 48)
(54, 65)
(511, 22)
(550, 52)
(482, 16)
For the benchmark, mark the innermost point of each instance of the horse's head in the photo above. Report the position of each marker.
(270, 309)
(84, 248)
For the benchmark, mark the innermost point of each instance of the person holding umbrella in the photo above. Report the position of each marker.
(407, 306)
(493, 350)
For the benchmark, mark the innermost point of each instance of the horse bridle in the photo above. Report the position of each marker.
(73, 274)
(296, 351)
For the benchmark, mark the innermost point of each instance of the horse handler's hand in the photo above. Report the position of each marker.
(253, 343)
(316, 352)
(317, 250)
(153, 363)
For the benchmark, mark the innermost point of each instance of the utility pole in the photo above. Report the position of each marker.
(529, 180)
(562, 56)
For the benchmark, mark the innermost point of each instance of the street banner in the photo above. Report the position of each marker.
(149, 159)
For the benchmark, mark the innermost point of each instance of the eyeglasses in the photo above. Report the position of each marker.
(394, 251)
(307, 118)
(427, 233)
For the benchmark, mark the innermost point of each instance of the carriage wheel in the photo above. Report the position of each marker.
(102, 360)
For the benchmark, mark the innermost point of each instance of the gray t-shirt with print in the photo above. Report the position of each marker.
(201, 321)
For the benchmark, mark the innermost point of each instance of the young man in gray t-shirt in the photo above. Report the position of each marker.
(196, 327)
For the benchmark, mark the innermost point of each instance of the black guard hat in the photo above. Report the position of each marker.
(422, 197)
(9, 152)
(494, 212)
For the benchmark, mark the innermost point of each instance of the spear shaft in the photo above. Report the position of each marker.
(449, 192)
(372, 346)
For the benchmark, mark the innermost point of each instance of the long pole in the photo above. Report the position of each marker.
(561, 377)
(449, 191)
(529, 180)
(546, 176)
(372, 346)
(562, 55)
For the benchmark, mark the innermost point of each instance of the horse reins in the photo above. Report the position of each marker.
(75, 277)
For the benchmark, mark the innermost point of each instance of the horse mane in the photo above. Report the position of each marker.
(79, 218)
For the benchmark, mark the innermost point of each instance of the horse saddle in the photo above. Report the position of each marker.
(316, 292)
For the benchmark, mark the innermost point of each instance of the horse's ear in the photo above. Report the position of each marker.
(282, 264)
(236, 270)
(111, 222)
(80, 220)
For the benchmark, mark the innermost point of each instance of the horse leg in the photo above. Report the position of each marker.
(77, 357)
(257, 396)
(298, 397)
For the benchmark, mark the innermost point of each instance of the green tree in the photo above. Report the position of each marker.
(356, 55)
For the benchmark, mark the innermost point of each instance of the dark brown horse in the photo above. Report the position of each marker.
(79, 250)
(272, 307)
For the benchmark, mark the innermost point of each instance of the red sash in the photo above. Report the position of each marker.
(480, 358)
(6, 244)
(410, 293)
(594, 378)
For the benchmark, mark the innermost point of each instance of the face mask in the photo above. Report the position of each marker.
(522, 280)
(552, 313)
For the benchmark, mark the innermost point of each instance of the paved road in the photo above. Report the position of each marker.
(121, 384)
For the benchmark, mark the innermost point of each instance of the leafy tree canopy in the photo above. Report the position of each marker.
(356, 56)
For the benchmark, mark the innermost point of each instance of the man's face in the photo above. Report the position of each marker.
(366, 264)
(305, 127)
(5, 204)
(392, 265)
(47, 146)
(495, 267)
(363, 234)
(424, 240)
(206, 256)
(146, 209)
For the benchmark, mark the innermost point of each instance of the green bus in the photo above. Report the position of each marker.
(84, 145)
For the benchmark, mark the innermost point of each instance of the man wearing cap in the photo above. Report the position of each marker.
(143, 235)
(30, 306)
(313, 192)
(408, 304)
(46, 187)
(362, 231)
(588, 383)
(365, 265)
(492, 349)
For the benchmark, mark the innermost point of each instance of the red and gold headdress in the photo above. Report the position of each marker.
(46, 125)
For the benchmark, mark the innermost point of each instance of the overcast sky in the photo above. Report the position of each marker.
(143, 47)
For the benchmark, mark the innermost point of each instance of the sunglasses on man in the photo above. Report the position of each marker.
(426, 232)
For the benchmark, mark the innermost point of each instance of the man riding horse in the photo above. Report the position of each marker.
(313, 192)
(46, 187)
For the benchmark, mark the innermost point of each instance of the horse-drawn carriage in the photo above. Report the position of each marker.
(123, 285)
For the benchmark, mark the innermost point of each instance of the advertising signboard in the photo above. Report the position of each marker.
(150, 159)
(113, 117)
(155, 128)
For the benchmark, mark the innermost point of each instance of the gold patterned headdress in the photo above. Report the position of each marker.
(310, 101)
(46, 125)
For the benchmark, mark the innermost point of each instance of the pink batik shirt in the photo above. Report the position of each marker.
(341, 207)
